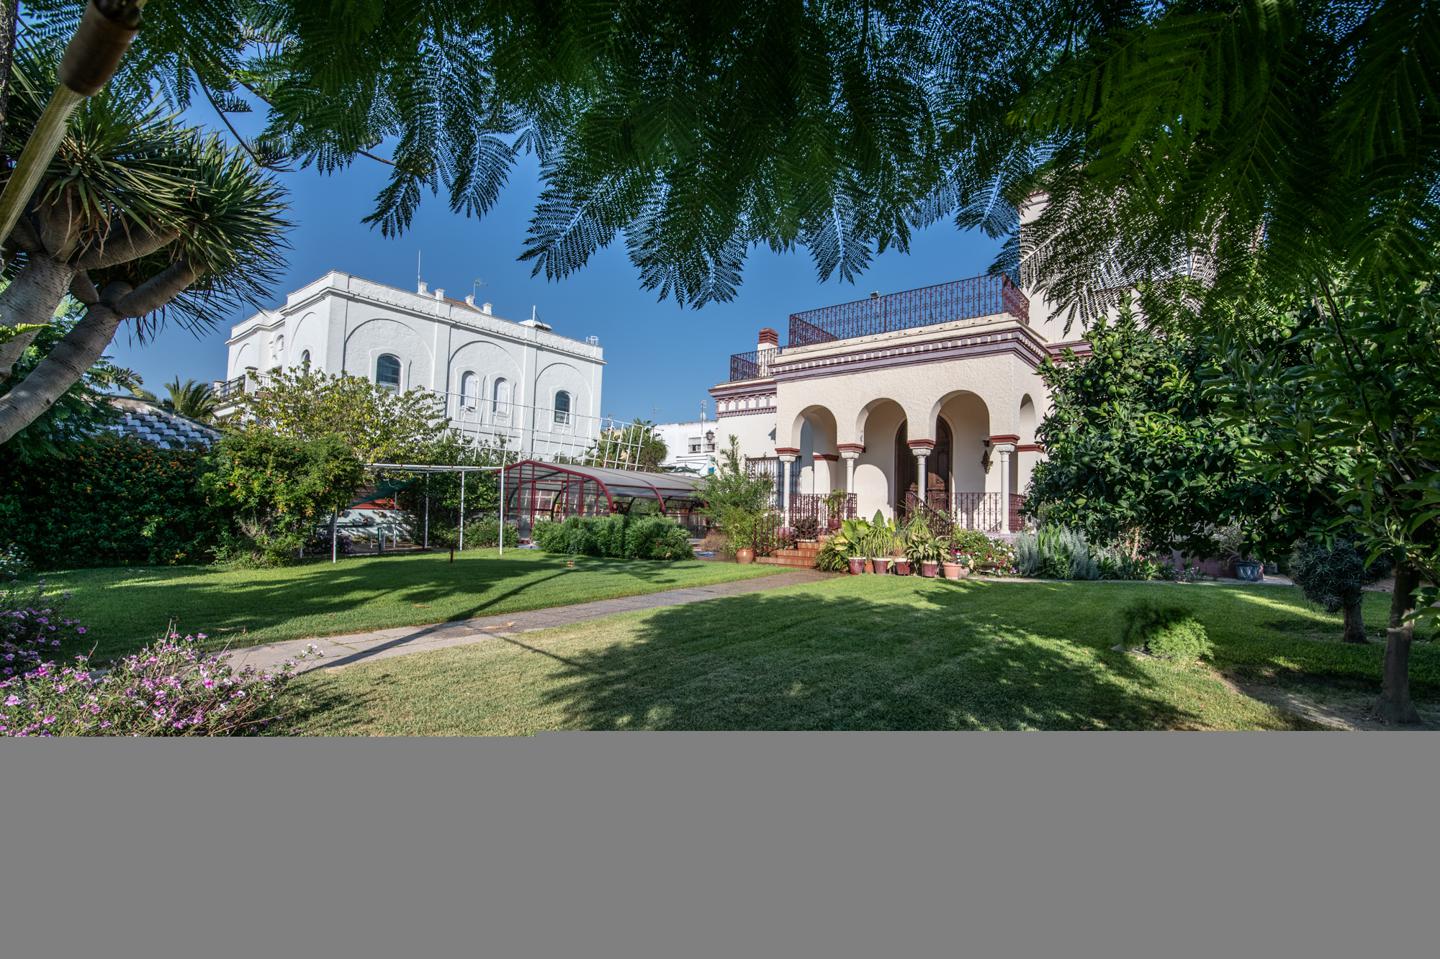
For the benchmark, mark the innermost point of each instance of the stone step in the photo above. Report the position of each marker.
(793, 562)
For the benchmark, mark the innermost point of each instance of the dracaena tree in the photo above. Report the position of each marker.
(139, 219)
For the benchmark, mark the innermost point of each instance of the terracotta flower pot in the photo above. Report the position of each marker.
(953, 570)
(928, 568)
(744, 555)
(880, 564)
(857, 565)
(902, 567)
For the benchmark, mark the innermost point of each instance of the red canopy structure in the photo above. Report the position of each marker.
(537, 490)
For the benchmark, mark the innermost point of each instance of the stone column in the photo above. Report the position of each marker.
(850, 456)
(787, 460)
(1005, 451)
(921, 449)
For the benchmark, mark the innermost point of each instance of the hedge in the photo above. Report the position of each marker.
(617, 536)
(112, 501)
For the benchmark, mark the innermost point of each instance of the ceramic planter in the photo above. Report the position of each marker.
(880, 564)
(928, 568)
(902, 567)
(1249, 570)
(954, 570)
(857, 565)
(744, 555)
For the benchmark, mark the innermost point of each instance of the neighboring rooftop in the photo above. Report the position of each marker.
(158, 426)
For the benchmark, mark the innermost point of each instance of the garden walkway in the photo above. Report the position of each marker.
(343, 650)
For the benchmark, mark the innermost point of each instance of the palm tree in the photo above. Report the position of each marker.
(140, 220)
(191, 398)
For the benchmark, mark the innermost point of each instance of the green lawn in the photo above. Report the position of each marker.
(864, 653)
(125, 608)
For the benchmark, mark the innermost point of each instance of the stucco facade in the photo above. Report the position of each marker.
(870, 396)
(519, 382)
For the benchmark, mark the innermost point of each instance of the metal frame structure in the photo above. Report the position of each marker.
(538, 488)
(426, 469)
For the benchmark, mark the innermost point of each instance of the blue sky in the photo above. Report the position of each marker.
(661, 358)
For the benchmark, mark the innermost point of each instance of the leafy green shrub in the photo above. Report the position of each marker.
(831, 558)
(1331, 575)
(1115, 563)
(109, 501)
(1167, 632)
(485, 532)
(609, 533)
(657, 537)
(616, 536)
(994, 556)
(278, 489)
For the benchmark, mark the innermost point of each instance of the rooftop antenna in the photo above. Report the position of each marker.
(475, 287)
(419, 276)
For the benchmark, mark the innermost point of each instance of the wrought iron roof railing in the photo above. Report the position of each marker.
(750, 366)
(928, 306)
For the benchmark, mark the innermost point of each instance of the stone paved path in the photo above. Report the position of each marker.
(344, 650)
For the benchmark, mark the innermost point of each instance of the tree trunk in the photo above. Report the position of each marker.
(56, 373)
(9, 20)
(1355, 620)
(1394, 705)
(31, 298)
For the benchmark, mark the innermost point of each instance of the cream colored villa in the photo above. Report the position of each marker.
(932, 389)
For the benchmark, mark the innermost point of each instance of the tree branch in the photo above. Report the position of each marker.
(67, 363)
(154, 292)
(122, 243)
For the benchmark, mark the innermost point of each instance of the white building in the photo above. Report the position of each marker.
(923, 400)
(689, 446)
(519, 382)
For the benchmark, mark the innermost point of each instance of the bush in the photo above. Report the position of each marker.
(1167, 632)
(13, 564)
(1054, 552)
(1115, 563)
(831, 558)
(657, 537)
(987, 555)
(1330, 576)
(617, 536)
(110, 501)
(485, 532)
(806, 528)
(170, 688)
(33, 628)
(279, 489)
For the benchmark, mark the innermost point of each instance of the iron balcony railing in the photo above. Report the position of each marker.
(911, 309)
(752, 365)
(928, 306)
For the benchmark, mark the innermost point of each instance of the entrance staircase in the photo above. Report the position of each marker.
(799, 556)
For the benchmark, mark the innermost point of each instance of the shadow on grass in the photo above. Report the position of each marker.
(805, 661)
(128, 609)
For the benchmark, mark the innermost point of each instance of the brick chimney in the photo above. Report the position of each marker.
(769, 340)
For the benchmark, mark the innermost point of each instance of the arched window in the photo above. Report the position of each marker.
(469, 390)
(562, 407)
(500, 405)
(304, 357)
(387, 372)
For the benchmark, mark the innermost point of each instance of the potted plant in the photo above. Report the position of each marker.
(849, 539)
(882, 534)
(834, 509)
(900, 561)
(953, 567)
(922, 548)
(1237, 542)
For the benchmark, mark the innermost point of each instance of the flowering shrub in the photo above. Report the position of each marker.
(13, 564)
(170, 688)
(32, 630)
(993, 557)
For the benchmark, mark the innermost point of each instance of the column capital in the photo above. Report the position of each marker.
(856, 448)
(921, 447)
(850, 455)
(787, 454)
(1005, 438)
